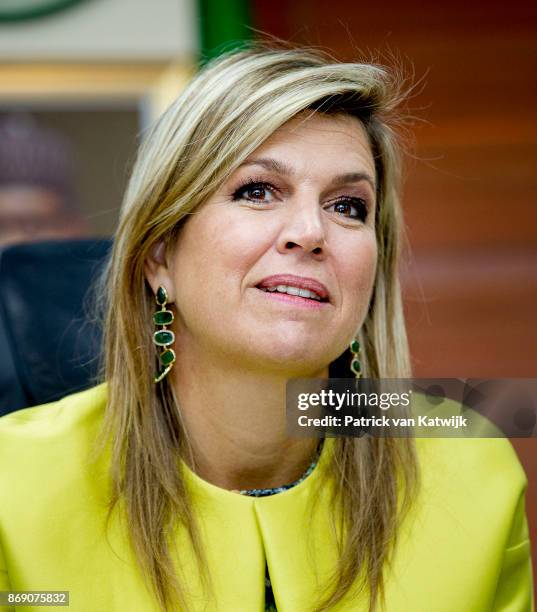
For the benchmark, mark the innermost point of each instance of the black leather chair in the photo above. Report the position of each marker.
(49, 346)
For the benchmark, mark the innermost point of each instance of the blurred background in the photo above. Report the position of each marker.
(81, 79)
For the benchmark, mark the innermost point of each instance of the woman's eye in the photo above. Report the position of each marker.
(353, 208)
(255, 192)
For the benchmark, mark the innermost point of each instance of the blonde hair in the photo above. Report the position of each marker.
(224, 114)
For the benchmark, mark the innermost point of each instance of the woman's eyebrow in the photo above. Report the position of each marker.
(281, 168)
(270, 164)
(353, 177)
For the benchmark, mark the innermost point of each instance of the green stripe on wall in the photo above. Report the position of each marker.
(223, 25)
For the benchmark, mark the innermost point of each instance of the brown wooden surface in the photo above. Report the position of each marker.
(470, 198)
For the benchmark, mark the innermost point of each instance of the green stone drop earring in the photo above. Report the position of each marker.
(355, 361)
(163, 337)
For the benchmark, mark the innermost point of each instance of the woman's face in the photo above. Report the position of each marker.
(298, 215)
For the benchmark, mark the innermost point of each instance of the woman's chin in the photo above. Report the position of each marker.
(293, 362)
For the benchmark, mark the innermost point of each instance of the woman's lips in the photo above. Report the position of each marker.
(293, 300)
(298, 282)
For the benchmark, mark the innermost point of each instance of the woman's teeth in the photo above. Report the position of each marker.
(305, 293)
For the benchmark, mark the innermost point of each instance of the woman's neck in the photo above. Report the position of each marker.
(236, 424)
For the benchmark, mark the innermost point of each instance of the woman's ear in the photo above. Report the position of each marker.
(157, 271)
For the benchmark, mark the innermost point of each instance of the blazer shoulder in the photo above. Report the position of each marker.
(472, 459)
(51, 464)
(478, 480)
(68, 417)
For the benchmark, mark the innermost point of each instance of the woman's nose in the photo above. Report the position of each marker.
(303, 229)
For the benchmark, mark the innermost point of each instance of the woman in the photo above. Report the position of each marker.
(262, 223)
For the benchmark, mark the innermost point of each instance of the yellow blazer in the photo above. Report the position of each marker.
(464, 547)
